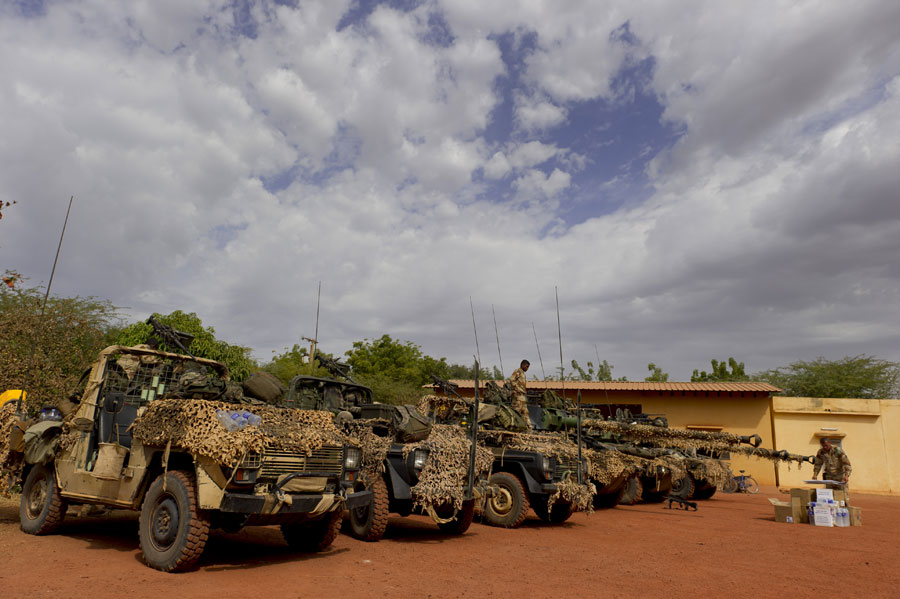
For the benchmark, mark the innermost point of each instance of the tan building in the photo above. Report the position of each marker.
(869, 430)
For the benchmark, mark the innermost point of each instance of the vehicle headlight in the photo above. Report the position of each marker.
(352, 457)
(545, 467)
(419, 458)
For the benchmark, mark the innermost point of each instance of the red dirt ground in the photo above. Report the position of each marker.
(731, 545)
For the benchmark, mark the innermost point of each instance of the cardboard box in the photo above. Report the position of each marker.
(855, 516)
(804, 495)
(788, 511)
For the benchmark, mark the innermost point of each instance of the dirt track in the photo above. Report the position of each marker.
(731, 545)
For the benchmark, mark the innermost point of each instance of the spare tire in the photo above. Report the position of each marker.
(264, 387)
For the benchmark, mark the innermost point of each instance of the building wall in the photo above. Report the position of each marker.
(871, 438)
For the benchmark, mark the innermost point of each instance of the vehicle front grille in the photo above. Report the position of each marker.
(327, 461)
(563, 467)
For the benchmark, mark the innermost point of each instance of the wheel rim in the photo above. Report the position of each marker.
(37, 496)
(164, 523)
(502, 503)
(678, 486)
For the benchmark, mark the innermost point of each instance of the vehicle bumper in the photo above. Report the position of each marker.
(290, 503)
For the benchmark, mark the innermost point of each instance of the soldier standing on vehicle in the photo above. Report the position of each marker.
(835, 463)
(520, 397)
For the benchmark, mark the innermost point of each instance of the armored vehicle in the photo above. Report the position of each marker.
(144, 431)
(412, 465)
(536, 470)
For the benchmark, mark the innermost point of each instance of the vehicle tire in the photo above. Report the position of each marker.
(314, 536)
(750, 485)
(653, 496)
(463, 519)
(633, 491)
(730, 485)
(41, 509)
(561, 511)
(369, 522)
(509, 507)
(609, 500)
(173, 530)
(683, 487)
(704, 492)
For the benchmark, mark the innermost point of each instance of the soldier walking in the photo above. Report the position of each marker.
(835, 463)
(520, 397)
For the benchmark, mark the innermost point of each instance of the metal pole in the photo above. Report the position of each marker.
(19, 403)
(312, 355)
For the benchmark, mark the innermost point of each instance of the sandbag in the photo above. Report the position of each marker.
(264, 387)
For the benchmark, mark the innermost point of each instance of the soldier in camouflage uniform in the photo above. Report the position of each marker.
(520, 399)
(835, 463)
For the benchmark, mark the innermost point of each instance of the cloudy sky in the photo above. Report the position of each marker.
(697, 179)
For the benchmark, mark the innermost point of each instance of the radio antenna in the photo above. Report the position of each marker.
(543, 374)
(497, 333)
(477, 351)
(37, 335)
(562, 369)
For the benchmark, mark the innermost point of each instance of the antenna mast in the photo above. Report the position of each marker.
(497, 333)
(477, 351)
(562, 369)
(37, 335)
(543, 374)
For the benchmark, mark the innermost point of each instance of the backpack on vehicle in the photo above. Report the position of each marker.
(409, 424)
(510, 420)
(264, 387)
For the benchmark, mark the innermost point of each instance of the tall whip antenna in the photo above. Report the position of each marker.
(497, 333)
(543, 374)
(562, 369)
(315, 339)
(37, 335)
(477, 351)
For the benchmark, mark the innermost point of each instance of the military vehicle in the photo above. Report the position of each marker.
(537, 470)
(143, 432)
(408, 443)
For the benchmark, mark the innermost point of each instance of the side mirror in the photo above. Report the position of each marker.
(113, 401)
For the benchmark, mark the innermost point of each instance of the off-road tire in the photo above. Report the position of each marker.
(633, 491)
(313, 536)
(173, 530)
(704, 492)
(463, 519)
(609, 500)
(683, 488)
(509, 508)
(368, 523)
(562, 510)
(41, 509)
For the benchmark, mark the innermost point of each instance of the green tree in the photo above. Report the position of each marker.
(603, 372)
(204, 345)
(64, 342)
(294, 361)
(860, 376)
(656, 374)
(720, 372)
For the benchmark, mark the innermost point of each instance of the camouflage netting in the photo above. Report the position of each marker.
(714, 472)
(445, 407)
(192, 425)
(444, 478)
(607, 464)
(554, 446)
(10, 463)
(374, 447)
(688, 440)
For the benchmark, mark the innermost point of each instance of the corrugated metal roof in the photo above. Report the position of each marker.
(638, 386)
